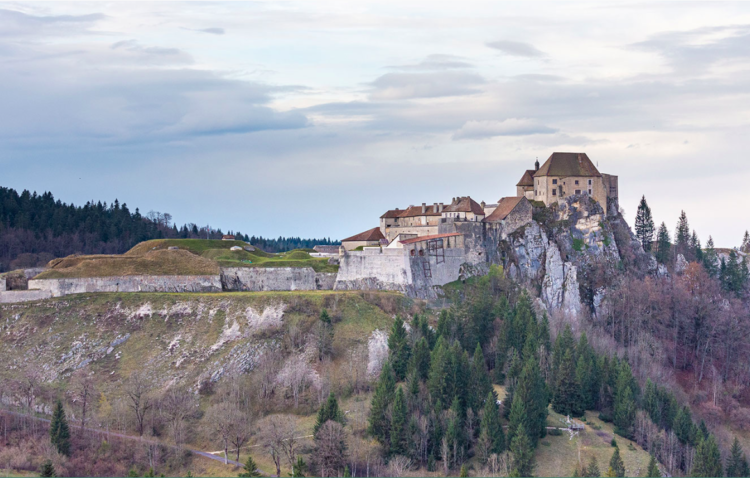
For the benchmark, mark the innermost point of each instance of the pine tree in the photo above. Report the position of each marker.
(696, 251)
(737, 462)
(587, 374)
(464, 471)
(398, 346)
(398, 432)
(707, 461)
(251, 469)
(683, 426)
(663, 244)
(624, 410)
(593, 469)
(653, 468)
(490, 427)
(522, 453)
(59, 431)
(566, 398)
(644, 225)
(378, 424)
(710, 259)
(682, 235)
(328, 411)
(479, 380)
(745, 247)
(47, 469)
(420, 358)
(616, 464)
(440, 378)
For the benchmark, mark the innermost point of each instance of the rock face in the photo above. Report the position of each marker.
(61, 287)
(257, 279)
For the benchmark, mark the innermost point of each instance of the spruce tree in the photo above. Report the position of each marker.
(440, 378)
(420, 358)
(398, 434)
(624, 409)
(328, 411)
(683, 426)
(398, 346)
(378, 424)
(522, 452)
(644, 225)
(616, 464)
(745, 247)
(707, 461)
(529, 407)
(682, 235)
(251, 469)
(59, 432)
(490, 426)
(695, 248)
(566, 398)
(593, 469)
(710, 259)
(653, 468)
(663, 244)
(47, 469)
(479, 380)
(737, 462)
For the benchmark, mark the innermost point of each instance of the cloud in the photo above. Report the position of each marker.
(210, 30)
(516, 48)
(18, 24)
(509, 127)
(399, 86)
(436, 63)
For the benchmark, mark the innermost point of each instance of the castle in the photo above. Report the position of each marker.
(419, 247)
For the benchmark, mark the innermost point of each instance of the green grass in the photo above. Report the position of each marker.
(578, 244)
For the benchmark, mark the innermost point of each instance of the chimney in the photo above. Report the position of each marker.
(536, 164)
(440, 207)
(424, 208)
(482, 204)
(434, 208)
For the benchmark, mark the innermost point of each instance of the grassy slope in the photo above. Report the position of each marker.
(194, 257)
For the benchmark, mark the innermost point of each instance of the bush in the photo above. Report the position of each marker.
(613, 442)
(555, 432)
(578, 244)
(605, 416)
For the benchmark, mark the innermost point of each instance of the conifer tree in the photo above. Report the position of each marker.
(682, 235)
(663, 244)
(737, 462)
(683, 426)
(47, 469)
(624, 410)
(587, 374)
(644, 225)
(707, 461)
(710, 259)
(464, 471)
(593, 469)
(529, 407)
(522, 463)
(479, 380)
(616, 464)
(398, 433)
(378, 424)
(420, 358)
(511, 380)
(695, 248)
(745, 247)
(653, 468)
(566, 398)
(251, 469)
(328, 411)
(490, 427)
(59, 432)
(398, 346)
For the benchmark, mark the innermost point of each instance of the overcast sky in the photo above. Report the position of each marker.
(313, 118)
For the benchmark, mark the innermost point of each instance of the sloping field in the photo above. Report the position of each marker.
(157, 262)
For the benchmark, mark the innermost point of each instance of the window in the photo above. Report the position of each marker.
(578, 191)
(554, 192)
(554, 181)
(589, 182)
(576, 182)
(589, 192)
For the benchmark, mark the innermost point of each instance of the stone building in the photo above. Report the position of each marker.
(463, 209)
(419, 220)
(370, 237)
(567, 174)
(510, 214)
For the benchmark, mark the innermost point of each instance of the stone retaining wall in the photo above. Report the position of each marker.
(12, 296)
(2, 284)
(61, 287)
(374, 269)
(255, 279)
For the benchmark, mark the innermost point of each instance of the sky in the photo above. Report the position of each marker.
(311, 119)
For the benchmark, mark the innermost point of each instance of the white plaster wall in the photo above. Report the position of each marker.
(13, 296)
(61, 287)
(386, 269)
(275, 278)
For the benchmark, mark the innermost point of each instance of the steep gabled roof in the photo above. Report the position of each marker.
(373, 234)
(464, 204)
(568, 164)
(527, 179)
(504, 207)
(392, 213)
(414, 211)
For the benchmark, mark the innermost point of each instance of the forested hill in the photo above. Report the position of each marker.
(37, 228)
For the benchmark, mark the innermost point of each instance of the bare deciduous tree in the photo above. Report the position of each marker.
(139, 401)
(177, 405)
(221, 418)
(278, 436)
(241, 431)
(330, 449)
(398, 465)
(82, 388)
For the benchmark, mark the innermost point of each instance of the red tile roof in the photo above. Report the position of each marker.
(527, 179)
(464, 204)
(373, 234)
(504, 207)
(428, 238)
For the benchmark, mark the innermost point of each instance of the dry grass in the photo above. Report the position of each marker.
(157, 262)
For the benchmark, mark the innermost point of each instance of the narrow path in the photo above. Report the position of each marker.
(135, 438)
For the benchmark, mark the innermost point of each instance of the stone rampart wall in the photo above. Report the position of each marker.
(386, 269)
(13, 296)
(61, 287)
(256, 279)
(2, 284)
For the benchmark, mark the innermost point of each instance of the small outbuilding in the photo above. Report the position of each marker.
(227, 237)
(370, 237)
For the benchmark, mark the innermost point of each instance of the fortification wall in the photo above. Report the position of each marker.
(13, 296)
(257, 279)
(61, 287)
(2, 284)
(449, 270)
(386, 269)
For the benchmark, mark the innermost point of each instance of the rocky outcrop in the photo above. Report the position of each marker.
(257, 279)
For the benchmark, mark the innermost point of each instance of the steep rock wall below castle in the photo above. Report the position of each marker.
(256, 279)
(61, 287)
